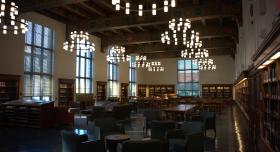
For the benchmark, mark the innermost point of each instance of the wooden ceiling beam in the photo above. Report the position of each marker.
(157, 48)
(141, 28)
(76, 11)
(93, 9)
(36, 5)
(207, 11)
(151, 37)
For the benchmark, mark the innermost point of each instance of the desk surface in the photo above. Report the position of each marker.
(117, 137)
(180, 108)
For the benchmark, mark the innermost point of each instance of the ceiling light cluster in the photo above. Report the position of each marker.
(79, 41)
(191, 53)
(140, 10)
(179, 32)
(9, 20)
(155, 66)
(205, 64)
(117, 54)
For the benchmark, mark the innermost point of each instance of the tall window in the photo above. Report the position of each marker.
(84, 70)
(132, 77)
(38, 55)
(188, 78)
(113, 77)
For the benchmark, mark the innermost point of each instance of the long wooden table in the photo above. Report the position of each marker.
(180, 110)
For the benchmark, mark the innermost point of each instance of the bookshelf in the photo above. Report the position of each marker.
(160, 90)
(142, 90)
(270, 100)
(221, 91)
(9, 87)
(101, 87)
(35, 114)
(66, 91)
(124, 92)
(242, 96)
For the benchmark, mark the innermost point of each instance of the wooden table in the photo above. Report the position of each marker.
(113, 140)
(179, 110)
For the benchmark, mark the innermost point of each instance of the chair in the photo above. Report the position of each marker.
(108, 125)
(187, 139)
(144, 146)
(209, 119)
(72, 142)
(97, 112)
(159, 128)
(151, 115)
(122, 112)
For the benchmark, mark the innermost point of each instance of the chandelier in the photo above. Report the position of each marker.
(192, 53)
(117, 54)
(154, 8)
(205, 64)
(155, 66)
(179, 33)
(79, 41)
(155, 69)
(140, 61)
(9, 19)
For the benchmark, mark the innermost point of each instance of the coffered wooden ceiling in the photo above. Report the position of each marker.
(216, 20)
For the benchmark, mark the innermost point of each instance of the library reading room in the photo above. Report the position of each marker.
(139, 75)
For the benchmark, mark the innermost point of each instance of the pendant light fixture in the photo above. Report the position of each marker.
(9, 20)
(126, 5)
(79, 41)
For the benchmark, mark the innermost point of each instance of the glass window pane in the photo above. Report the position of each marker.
(82, 67)
(77, 66)
(47, 62)
(194, 66)
(27, 63)
(188, 76)
(37, 63)
(181, 64)
(38, 35)
(188, 64)
(82, 86)
(28, 34)
(188, 86)
(88, 70)
(36, 85)
(27, 85)
(27, 49)
(77, 85)
(195, 93)
(46, 86)
(181, 93)
(88, 85)
(181, 86)
(47, 37)
(181, 76)
(196, 86)
(195, 76)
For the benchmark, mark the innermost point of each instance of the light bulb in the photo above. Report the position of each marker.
(165, 6)
(127, 5)
(114, 2)
(140, 13)
(173, 3)
(154, 11)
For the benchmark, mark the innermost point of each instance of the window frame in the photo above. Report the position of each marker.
(192, 83)
(32, 73)
(79, 77)
(132, 77)
(113, 70)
